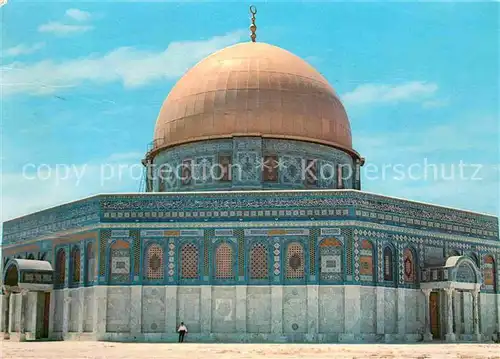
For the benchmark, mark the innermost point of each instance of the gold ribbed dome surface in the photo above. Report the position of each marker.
(252, 89)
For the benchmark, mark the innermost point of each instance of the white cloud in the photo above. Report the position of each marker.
(436, 103)
(425, 165)
(120, 172)
(78, 15)
(128, 65)
(59, 28)
(384, 93)
(23, 49)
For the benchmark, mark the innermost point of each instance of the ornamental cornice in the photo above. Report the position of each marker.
(367, 228)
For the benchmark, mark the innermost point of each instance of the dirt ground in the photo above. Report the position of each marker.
(74, 350)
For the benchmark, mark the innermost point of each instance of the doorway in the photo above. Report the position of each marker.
(42, 315)
(46, 309)
(434, 314)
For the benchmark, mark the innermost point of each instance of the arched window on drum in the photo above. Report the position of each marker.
(295, 266)
(189, 262)
(409, 266)
(224, 262)
(259, 262)
(119, 262)
(366, 262)
(154, 263)
(489, 273)
(75, 266)
(330, 260)
(389, 269)
(60, 274)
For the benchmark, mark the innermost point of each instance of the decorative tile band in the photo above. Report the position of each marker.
(276, 232)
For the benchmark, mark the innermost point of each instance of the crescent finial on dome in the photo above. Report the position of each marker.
(253, 27)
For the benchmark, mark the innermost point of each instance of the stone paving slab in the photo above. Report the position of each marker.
(106, 350)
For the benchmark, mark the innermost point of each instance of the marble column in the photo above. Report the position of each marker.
(5, 315)
(136, 311)
(427, 327)
(241, 309)
(23, 297)
(450, 336)
(352, 307)
(380, 310)
(32, 312)
(171, 309)
(12, 313)
(456, 313)
(475, 313)
(52, 311)
(206, 310)
(276, 309)
(497, 297)
(312, 312)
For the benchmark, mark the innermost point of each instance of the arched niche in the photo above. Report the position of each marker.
(463, 270)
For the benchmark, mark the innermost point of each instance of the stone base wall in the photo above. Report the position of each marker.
(309, 313)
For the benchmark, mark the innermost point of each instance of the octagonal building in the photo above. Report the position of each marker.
(253, 227)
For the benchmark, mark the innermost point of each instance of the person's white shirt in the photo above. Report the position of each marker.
(182, 328)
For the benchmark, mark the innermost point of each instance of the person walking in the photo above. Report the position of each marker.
(182, 331)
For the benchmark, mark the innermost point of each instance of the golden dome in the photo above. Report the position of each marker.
(253, 89)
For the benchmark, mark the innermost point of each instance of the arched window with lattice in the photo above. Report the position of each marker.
(259, 262)
(75, 266)
(189, 261)
(154, 263)
(60, 274)
(295, 266)
(330, 260)
(489, 273)
(366, 265)
(89, 263)
(224, 261)
(409, 266)
(389, 268)
(119, 262)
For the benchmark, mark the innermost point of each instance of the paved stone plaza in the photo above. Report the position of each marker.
(75, 350)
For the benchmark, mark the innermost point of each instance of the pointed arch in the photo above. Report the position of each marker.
(331, 267)
(75, 266)
(60, 275)
(295, 261)
(489, 273)
(388, 263)
(189, 261)
(259, 262)
(224, 261)
(89, 263)
(154, 262)
(409, 266)
(119, 262)
(366, 261)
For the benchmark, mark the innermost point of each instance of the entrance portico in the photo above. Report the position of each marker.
(448, 285)
(25, 300)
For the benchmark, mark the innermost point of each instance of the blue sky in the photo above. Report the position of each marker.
(83, 83)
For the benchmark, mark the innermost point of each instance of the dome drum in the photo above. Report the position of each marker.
(252, 163)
